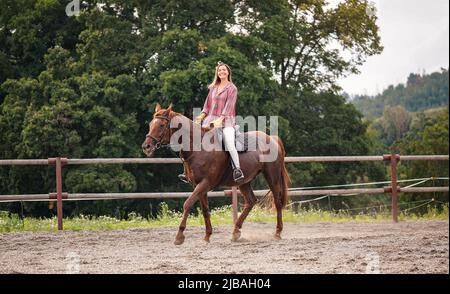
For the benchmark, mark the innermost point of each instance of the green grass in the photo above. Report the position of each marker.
(219, 216)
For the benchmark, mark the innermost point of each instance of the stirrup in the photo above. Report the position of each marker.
(238, 175)
(183, 178)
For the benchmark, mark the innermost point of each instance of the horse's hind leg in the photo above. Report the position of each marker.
(279, 207)
(206, 216)
(274, 180)
(249, 202)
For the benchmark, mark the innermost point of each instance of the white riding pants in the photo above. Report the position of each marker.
(228, 137)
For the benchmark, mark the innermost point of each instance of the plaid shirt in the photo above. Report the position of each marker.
(221, 104)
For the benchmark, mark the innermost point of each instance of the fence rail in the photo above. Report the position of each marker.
(61, 196)
(294, 159)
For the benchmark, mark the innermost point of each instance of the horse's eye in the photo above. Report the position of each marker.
(161, 126)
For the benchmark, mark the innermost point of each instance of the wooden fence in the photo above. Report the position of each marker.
(59, 195)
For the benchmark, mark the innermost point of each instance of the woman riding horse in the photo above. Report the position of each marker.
(219, 110)
(209, 168)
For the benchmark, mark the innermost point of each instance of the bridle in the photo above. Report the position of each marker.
(159, 144)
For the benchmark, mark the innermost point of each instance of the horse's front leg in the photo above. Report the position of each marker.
(200, 189)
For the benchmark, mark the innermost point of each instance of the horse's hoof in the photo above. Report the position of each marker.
(206, 239)
(235, 236)
(277, 236)
(179, 241)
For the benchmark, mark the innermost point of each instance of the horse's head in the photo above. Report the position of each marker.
(158, 131)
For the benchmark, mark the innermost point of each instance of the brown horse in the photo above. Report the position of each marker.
(209, 169)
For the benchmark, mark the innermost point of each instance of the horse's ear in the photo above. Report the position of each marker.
(168, 110)
(158, 107)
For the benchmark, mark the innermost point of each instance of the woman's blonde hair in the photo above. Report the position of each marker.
(216, 79)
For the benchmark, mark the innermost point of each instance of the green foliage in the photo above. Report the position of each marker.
(421, 92)
(325, 124)
(297, 35)
(85, 86)
(396, 122)
(424, 132)
(29, 29)
(219, 216)
(430, 136)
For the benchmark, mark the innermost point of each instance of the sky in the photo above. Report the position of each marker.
(415, 36)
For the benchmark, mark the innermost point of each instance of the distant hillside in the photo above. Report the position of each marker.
(420, 93)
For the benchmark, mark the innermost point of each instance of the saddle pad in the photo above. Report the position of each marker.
(241, 142)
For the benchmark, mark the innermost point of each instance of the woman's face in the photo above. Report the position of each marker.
(222, 72)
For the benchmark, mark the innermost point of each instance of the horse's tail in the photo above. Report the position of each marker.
(268, 200)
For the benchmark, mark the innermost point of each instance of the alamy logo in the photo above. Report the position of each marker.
(373, 263)
(73, 8)
(189, 139)
(72, 263)
(373, 7)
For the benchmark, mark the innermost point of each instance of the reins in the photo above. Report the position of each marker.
(159, 144)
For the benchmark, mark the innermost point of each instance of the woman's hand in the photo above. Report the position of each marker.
(200, 118)
(217, 122)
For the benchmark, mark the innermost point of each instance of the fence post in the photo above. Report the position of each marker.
(59, 192)
(58, 162)
(393, 159)
(234, 203)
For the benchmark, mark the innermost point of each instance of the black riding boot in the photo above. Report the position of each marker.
(238, 175)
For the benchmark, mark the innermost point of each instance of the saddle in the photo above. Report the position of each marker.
(240, 141)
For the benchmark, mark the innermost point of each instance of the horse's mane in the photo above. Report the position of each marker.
(172, 114)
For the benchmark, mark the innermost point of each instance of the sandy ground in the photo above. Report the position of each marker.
(406, 247)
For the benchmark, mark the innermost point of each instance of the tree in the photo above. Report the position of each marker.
(396, 121)
(27, 30)
(324, 124)
(304, 39)
(431, 137)
(420, 93)
(86, 86)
